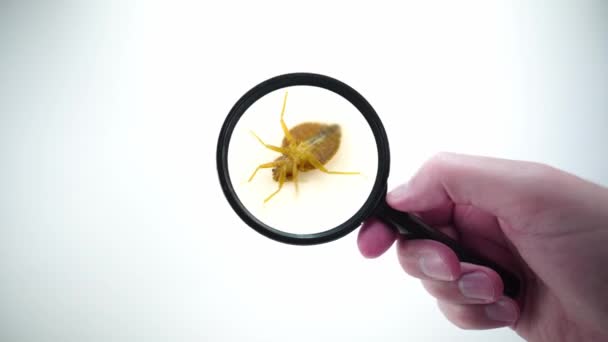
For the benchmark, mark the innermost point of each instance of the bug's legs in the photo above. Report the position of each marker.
(315, 162)
(282, 175)
(263, 166)
(270, 147)
(294, 175)
(288, 135)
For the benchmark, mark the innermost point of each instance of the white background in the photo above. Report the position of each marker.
(113, 226)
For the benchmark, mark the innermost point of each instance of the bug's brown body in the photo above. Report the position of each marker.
(323, 141)
(305, 147)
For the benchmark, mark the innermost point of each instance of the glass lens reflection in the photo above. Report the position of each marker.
(323, 127)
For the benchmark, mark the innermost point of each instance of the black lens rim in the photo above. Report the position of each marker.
(305, 79)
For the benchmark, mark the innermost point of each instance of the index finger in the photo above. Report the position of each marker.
(504, 188)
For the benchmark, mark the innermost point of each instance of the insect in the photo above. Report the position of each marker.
(305, 147)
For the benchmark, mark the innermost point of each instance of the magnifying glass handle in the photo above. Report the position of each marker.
(413, 228)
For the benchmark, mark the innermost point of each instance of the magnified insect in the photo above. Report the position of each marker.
(307, 146)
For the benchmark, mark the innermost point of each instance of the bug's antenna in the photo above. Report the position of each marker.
(283, 125)
(284, 103)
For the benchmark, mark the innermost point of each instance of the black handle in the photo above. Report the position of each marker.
(413, 228)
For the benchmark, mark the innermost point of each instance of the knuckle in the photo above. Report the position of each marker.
(437, 158)
(438, 161)
(545, 172)
(462, 321)
(461, 316)
(439, 290)
(462, 324)
(410, 266)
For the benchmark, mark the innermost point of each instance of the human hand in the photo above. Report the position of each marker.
(546, 225)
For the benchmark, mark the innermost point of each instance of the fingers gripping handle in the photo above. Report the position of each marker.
(413, 228)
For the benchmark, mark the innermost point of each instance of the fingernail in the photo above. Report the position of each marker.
(398, 193)
(502, 311)
(476, 285)
(432, 265)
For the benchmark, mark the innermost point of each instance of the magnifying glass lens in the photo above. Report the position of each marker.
(302, 160)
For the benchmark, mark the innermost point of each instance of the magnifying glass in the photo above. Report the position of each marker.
(304, 159)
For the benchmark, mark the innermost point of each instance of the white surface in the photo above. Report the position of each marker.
(113, 226)
(324, 201)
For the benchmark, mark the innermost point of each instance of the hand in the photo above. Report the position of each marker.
(546, 225)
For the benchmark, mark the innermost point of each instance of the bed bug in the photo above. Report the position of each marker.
(305, 147)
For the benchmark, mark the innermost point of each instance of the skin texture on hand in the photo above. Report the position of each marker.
(549, 226)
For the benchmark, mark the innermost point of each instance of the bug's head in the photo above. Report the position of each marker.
(275, 173)
(283, 167)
